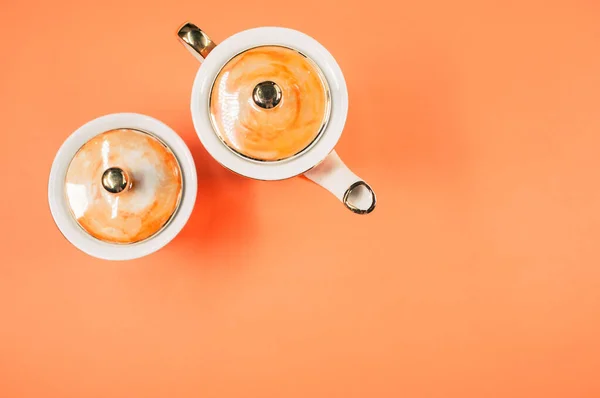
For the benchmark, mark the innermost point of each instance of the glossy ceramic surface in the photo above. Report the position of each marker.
(285, 129)
(136, 213)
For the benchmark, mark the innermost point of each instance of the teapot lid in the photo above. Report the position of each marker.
(123, 186)
(269, 103)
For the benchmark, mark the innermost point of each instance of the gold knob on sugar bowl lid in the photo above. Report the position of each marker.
(116, 180)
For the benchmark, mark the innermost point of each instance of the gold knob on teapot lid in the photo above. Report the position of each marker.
(116, 180)
(267, 94)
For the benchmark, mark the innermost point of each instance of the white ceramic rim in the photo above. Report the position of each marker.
(59, 208)
(243, 41)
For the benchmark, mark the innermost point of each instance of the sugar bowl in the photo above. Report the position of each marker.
(122, 186)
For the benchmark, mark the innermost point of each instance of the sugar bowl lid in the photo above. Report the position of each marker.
(269, 103)
(122, 186)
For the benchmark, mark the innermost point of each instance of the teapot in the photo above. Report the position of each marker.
(270, 103)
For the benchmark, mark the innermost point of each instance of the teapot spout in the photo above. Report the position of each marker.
(195, 40)
(333, 175)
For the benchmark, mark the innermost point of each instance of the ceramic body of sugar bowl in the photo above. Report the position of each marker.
(122, 186)
(271, 103)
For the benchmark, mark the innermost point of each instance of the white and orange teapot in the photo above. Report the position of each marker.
(270, 103)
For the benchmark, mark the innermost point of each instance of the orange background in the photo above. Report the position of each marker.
(478, 275)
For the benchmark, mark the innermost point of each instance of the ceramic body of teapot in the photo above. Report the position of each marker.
(271, 103)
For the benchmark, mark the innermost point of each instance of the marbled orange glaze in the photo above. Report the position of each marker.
(130, 216)
(280, 132)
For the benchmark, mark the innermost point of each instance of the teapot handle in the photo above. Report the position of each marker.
(333, 175)
(195, 40)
